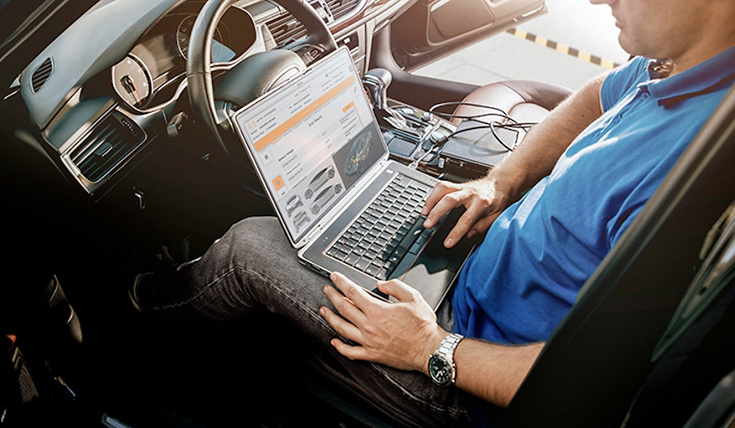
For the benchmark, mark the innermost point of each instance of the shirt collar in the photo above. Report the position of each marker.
(700, 79)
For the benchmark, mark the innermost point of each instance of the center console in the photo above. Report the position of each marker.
(429, 142)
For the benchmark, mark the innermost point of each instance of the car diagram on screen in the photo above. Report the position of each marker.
(359, 151)
(301, 220)
(293, 203)
(324, 197)
(319, 180)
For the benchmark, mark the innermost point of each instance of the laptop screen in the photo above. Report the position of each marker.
(311, 140)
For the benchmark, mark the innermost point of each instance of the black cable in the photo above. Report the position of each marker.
(496, 111)
(512, 124)
(491, 127)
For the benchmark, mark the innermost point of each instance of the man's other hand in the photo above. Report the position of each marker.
(483, 200)
(400, 334)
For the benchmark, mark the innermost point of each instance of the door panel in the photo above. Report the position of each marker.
(434, 28)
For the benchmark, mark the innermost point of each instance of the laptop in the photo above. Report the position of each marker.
(321, 157)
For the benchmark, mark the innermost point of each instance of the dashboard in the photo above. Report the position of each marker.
(149, 75)
(109, 87)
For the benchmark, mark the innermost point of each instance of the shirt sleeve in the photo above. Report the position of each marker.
(621, 80)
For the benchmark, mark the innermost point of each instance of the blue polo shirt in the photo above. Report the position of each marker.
(524, 277)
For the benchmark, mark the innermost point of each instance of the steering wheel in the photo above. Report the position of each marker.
(252, 77)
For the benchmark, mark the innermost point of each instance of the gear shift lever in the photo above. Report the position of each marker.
(376, 81)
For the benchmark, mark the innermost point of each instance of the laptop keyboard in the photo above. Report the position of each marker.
(390, 228)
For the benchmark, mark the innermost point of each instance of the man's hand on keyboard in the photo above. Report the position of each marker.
(483, 199)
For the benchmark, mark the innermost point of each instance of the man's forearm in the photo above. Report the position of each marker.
(484, 199)
(546, 141)
(493, 372)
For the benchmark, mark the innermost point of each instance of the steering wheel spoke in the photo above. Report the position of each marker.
(309, 53)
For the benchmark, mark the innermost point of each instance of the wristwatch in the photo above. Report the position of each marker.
(442, 369)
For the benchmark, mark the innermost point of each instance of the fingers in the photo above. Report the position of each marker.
(371, 329)
(343, 327)
(438, 192)
(473, 220)
(436, 205)
(348, 299)
(351, 301)
(347, 322)
(352, 352)
(409, 296)
(480, 199)
(356, 294)
(482, 225)
(397, 289)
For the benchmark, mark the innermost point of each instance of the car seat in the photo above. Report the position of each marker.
(523, 100)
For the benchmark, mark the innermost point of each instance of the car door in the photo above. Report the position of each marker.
(431, 29)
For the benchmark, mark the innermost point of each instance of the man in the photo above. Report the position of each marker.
(579, 180)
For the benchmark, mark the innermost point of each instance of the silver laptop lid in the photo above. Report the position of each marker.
(311, 140)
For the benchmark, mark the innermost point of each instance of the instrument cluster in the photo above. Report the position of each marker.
(150, 75)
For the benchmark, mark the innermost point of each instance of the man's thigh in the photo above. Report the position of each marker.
(253, 266)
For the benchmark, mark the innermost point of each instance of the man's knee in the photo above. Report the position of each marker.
(255, 235)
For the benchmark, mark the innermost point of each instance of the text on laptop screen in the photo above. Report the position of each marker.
(311, 140)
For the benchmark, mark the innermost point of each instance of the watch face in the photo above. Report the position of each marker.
(440, 370)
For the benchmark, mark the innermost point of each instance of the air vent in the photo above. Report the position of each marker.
(285, 28)
(41, 74)
(341, 8)
(106, 147)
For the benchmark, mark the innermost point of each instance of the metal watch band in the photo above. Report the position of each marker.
(442, 369)
(448, 345)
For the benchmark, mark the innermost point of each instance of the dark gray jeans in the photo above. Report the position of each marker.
(253, 266)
